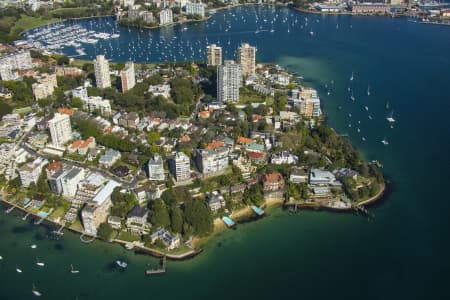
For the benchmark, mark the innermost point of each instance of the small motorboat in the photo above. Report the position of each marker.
(72, 270)
(18, 270)
(36, 292)
(39, 263)
(34, 246)
(121, 264)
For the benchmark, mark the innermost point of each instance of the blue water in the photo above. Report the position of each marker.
(401, 254)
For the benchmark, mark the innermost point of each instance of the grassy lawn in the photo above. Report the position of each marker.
(58, 213)
(77, 225)
(128, 237)
(26, 22)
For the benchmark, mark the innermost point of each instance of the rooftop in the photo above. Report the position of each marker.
(105, 192)
(138, 211)
(275, 176)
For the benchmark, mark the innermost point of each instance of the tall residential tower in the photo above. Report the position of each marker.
(228, 82)
(60, 129)
(213, 55)
(246, 57)
(101, 68)
(127, 77)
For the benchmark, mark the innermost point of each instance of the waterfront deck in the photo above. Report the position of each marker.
(161, 270)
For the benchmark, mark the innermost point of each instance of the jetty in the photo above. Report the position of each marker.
(26, 216)
(39, 221)
(56, 234)
(9, 210)
(161, 270)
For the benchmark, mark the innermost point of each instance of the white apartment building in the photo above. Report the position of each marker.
(180, 166)
(70, 182)
(80, 92)
(165, 16)
(45, 86)
(228, 82)
(97, 103)
(213, 55)
(212, 161)
(17, 60)
(31, 171)
(101, 68)
(7, 74)
(195, 9)
(60, 129)
(156, 168)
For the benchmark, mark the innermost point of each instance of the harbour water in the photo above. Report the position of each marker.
(401, 254)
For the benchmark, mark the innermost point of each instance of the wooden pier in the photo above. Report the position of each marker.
(9, 210)
(56, 234)
(39, 221)
(161, 270)
(26, 216)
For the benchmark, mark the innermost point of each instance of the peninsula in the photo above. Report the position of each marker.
(158, 157)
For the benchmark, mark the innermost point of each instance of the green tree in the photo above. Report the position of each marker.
(42, 184)
(105, 231)
(176, 219)
(63, 60)
(76, 102)
(153, 137)
(159, 215)
(199, 217)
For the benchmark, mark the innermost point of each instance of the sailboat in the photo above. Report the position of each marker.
(387, 105)
(352, 97)
(18, 270)
(72, 270)
(351, 78)
(36, 292)
(368, 90)
(39, 263)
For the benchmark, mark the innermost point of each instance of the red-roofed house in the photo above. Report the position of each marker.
(214, 145)
(66, 111)
(243, 140)
(204, 114)
(74, 146)
(273, 182)
(53, 167)
(86, 145)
